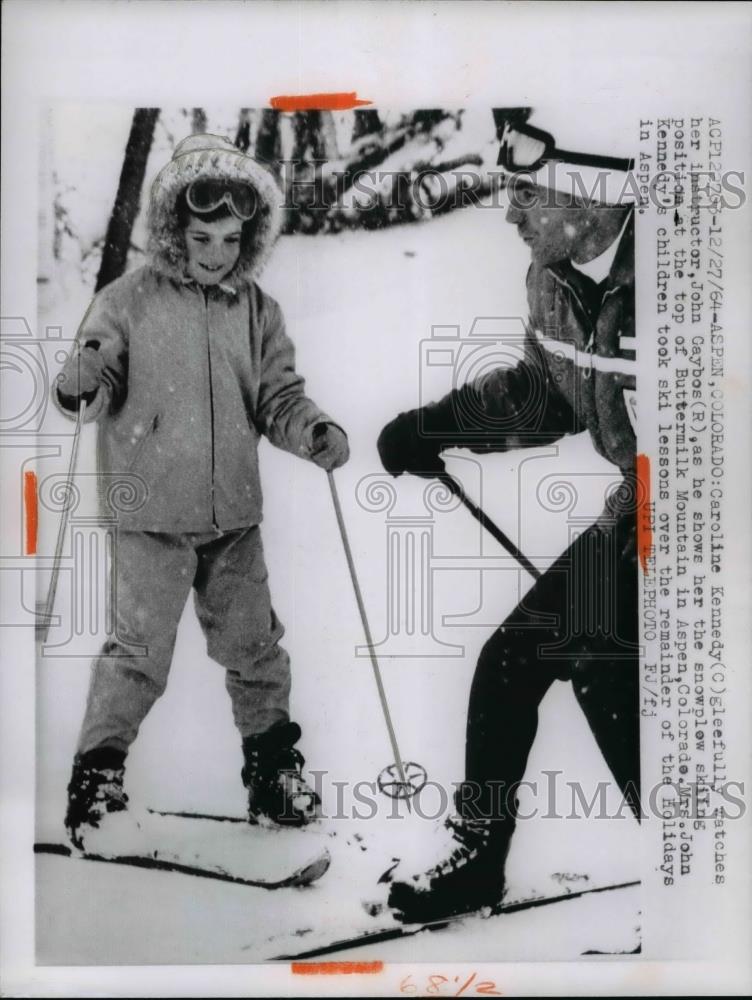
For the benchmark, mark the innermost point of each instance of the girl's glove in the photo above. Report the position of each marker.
(80, 377)
(404, 446)
(329, 447)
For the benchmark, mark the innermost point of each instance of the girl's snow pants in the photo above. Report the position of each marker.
(153, 575)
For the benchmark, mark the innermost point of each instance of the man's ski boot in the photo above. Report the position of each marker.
(272, 774)
(95, 790)
(468, 876)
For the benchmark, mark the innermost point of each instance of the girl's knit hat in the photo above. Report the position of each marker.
(211, 157)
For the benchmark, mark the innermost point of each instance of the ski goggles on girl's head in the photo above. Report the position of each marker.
(526, 148)
(205, 196)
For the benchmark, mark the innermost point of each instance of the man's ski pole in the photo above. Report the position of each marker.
(43, 625)
(454, 487)
(398, 764)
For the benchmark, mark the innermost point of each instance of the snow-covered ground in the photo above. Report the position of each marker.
(358, 306)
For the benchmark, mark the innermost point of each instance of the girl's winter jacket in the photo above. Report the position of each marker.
(194, 375)
(190, 383)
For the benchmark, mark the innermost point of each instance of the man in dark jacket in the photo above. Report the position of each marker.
(577, 374)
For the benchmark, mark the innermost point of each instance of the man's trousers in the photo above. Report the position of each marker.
(578, 623)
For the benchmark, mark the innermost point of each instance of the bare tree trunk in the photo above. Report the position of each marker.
(268, 141)
(366, 123)
(243, 134)
(128, 198)
(305, 126)
(315, 136)
(198, 121)
(329, 146)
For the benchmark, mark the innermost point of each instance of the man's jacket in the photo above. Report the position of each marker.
(578, 371)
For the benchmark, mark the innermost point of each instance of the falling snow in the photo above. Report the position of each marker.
(363, 366)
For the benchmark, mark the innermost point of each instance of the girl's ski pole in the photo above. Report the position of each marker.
(400, 770)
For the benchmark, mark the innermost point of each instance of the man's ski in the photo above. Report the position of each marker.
(377, 936)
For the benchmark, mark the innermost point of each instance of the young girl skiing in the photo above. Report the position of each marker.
(185, 362)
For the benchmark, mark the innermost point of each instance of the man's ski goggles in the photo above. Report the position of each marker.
(526, 148)
(205, 196)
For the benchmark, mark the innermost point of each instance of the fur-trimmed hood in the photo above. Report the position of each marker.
(211, 156)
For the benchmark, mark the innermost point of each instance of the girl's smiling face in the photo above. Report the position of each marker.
(213, 248)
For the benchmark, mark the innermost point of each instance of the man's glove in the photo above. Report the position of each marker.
(404, 446)
(80, 377)
(329, 447)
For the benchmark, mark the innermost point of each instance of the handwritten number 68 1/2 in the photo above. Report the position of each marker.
(436, 985)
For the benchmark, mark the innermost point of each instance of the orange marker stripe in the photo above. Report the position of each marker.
(317, 102)
(32, 512)
(644, 530)
(336, 968)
